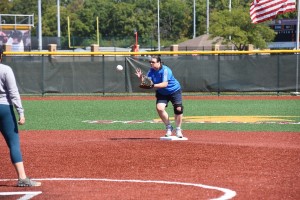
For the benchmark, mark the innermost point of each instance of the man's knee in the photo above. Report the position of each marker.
(178, 109)
(160, 107)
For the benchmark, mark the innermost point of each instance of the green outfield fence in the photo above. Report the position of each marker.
(216, 72)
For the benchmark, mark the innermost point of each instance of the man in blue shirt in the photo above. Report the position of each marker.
(167, 89)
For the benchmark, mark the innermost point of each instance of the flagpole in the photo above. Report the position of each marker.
(298, 17)
(207, 16)
(297, 47)
(229, 11)
(58, 24)
(158, 27)
(40, 25)
(194, 10)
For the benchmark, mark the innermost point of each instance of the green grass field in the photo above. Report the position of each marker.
(69, 115)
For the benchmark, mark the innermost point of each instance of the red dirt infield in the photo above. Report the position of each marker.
(93, 164)
(136, 164)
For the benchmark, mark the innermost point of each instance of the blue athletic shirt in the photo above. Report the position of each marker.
(164, 75)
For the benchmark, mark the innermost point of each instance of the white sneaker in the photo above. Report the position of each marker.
(179, 133)
(169, 131)
(27, 182)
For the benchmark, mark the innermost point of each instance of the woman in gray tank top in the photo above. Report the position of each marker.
(10, 99)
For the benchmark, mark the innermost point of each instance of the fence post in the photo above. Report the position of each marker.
(219, 75)
(135, 48)
(52, 48)
(103, 75)
(43, 75)
(278, 74)
(174, 47)
(250, 47)
(7, 48)
(94, 48)
(216, 47)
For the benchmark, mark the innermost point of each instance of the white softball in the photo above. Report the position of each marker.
(119, 67)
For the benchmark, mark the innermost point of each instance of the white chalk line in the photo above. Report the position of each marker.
(228, 194)
(26, 195)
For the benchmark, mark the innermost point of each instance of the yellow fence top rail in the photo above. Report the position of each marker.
(155, 52)
(15, 27)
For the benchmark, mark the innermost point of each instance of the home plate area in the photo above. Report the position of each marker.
(173, 138)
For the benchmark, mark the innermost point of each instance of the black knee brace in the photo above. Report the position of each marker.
(178, 109)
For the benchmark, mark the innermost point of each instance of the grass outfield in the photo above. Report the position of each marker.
(69, 115)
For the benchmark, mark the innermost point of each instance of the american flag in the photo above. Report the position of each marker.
(263, 10)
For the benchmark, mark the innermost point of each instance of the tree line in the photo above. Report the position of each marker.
(120, 18)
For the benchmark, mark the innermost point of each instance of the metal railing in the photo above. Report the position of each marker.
(16, 22)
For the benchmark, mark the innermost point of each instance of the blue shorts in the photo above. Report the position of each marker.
(175, 98)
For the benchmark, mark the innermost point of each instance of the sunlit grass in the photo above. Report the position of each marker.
(69, 115)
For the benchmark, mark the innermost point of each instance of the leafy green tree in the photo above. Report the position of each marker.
(5, 6)
(119, 18)
(19, 7)
(175, 19)
(201, 7)
(235, 27)
(30, 7)
(49, 23)
(224, 4)
(146, 19)
(102, 10)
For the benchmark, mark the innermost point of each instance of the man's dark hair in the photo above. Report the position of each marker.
(157, 57)
(16, 34)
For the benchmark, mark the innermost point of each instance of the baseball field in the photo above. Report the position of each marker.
(109, 147)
